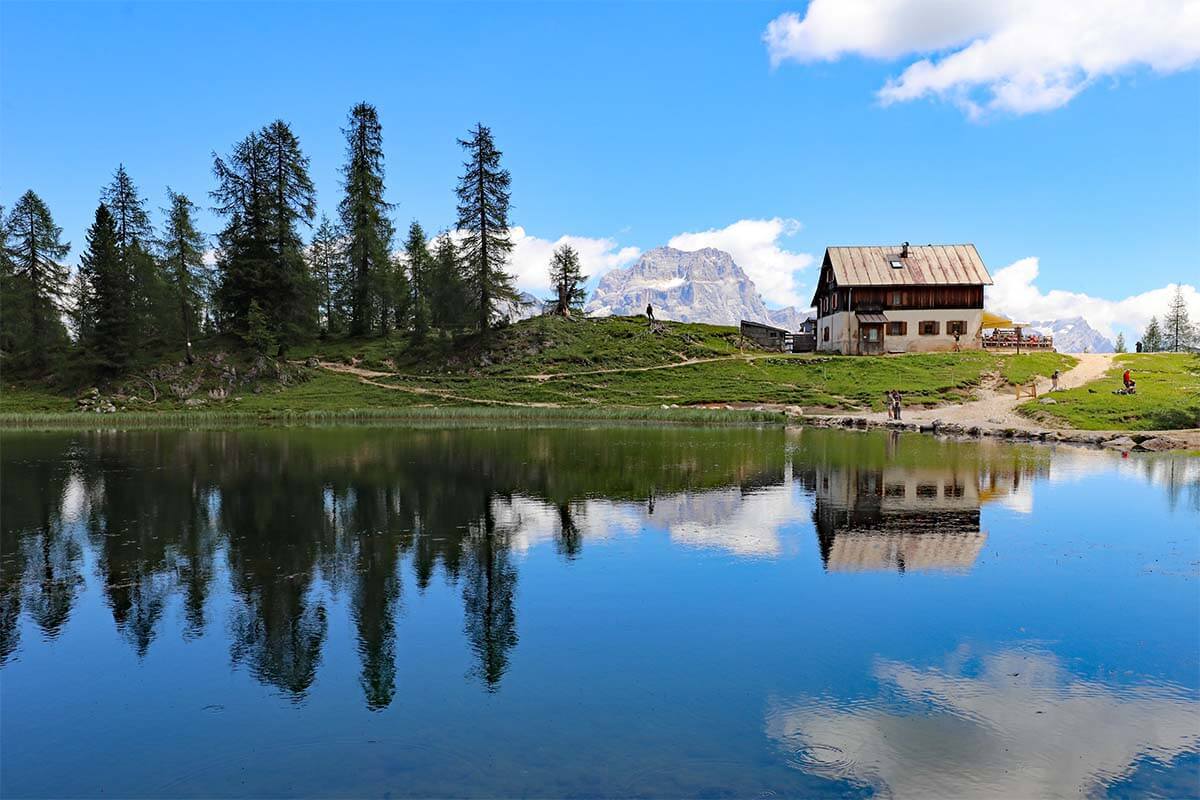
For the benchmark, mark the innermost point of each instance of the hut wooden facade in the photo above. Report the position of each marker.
(900, 299)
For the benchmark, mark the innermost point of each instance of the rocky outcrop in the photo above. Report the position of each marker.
(687, 286)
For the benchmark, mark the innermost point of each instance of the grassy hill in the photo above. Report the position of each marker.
(1168, 396)
(608, 366)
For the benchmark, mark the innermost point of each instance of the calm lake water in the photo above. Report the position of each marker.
(594, 611)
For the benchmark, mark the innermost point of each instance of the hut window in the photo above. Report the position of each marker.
(896, 264)
(897, 299)
(930, 327)
(825, 335)
(957, 326)
(897, 329)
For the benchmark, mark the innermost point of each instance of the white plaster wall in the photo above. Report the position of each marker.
(843, 331)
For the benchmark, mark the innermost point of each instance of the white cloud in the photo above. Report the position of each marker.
(1015, 293)
(1016, 56)
(529, 261)
(755, 246)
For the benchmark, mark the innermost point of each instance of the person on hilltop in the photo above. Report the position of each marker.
(650, 314)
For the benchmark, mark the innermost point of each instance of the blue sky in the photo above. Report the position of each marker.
(627, 125)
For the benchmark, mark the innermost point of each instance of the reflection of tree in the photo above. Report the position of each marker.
(300, 513)
(272, 512)
(489, 588)
(39, 560)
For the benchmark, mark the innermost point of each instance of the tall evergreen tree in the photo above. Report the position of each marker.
(150, 311)
(1152, 339)
(103, 304)
(401, 294)
(182, 253)
(420, 268)
(34, 250)
(264, 191)
(483, 198)
(13, 317)
(364, 218)
(567, 280)
(1119, 347)
(328, 269)
(447, 293)
(1177, 327)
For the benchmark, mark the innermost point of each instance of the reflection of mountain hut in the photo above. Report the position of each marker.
(897, 518)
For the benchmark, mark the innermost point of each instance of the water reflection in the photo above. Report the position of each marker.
(1012, 722)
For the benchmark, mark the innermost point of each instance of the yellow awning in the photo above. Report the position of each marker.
(991, 320)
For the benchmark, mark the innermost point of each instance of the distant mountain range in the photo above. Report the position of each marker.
(1074, 335)
(687, 286)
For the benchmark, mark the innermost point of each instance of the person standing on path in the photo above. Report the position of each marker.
(890, 404)
(1054, 381)
(896, 403)
(650, 314)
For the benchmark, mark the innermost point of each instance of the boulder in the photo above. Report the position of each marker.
(1048, 401)
(1159, 443)
(1120, 443)
(312, 362)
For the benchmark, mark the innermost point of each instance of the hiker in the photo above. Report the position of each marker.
(896, 402)
(957, 345)
(1127, 380)
(650, 314)
(1054, 381)
(890, 403)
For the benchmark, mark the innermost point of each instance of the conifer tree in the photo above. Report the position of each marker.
(1177, 327)
(328, 269)
(420, 268)
(1119, 347)
(402, 294)
(567, 280)
(264, 191)
(367, 228)
(35, 250)
(103, 300)
(182, 254)
(483, 199)
(14, 319)
(1152, 339)
(447, 293)
(149, 310)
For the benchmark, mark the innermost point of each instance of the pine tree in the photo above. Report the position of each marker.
(1152, 339)
(483, 198)
(420, 268)
(182, 255)
(328, 269)
(291, 201)
(260, 330)
(447, 293)
(103, 302)
(567, 280)
(364, 217)
(1177, 328)
(34, 250)
(1119, 347)
(402, 294)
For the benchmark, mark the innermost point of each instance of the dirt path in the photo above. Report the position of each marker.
(545, 376)
(995, 405)
(368, 377)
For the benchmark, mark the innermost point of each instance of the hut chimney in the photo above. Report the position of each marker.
(904, 251)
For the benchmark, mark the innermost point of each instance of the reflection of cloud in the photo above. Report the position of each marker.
(740, 522)
(1022, 726)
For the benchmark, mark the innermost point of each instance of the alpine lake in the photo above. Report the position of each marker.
(594, 611)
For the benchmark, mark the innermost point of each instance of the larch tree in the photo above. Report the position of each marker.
(483, 200)
(1177, 327)
(567, 280)
(181, 251)
(1119, 347)
(35, 250)
(368, 231)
